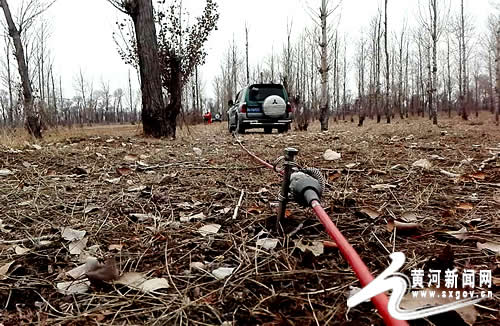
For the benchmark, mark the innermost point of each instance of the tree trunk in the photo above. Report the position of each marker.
(387, 85)
(155, 121)
(246, 52)
(9, 82)
(433, 101)
(324, 112)
(32, 118)
(175, 104)
(498, 76)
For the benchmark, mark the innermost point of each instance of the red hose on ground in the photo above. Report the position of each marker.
(363, 274)
(255, 157)
(380, 301)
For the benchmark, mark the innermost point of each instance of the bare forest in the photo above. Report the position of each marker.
(148, 187)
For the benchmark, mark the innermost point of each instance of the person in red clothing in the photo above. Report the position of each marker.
(207, 117)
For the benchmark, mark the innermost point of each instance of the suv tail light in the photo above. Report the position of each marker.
(289, 108)
(243, 108)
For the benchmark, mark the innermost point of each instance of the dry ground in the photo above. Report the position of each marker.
(95, 179)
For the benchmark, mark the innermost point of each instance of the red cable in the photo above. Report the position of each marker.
(380, 301)
(258, 159)
(363, 274)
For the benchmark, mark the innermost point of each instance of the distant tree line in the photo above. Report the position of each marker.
(26, 55)
(441, 64)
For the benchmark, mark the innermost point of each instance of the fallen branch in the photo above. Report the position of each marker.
(238, 205)
(38, 239)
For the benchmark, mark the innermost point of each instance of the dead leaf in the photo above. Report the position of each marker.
(254, 210)
(197, 151)
(154, 284)
(185, 205)
(113, 180)
(224, 210)
(4, 270)
(368, 212)
(200, 216)
(137, 189)
(117, 247)
(267, 243)
(72, 234)
(330, 155)
(402, 226)
(351, 165)
(469, 314)
(495, 247)
(140, 217)
(209, 229)
(79, 271)
(139, 282)
(334, 176)
(5, 172)
(316, 247)
(222, 272)
(197, 265)
(76, 247)
(330, 244)
(449, 174)
(130, 157)
(410, 217)
(422, 163)
(25, 203)
(465, 206)
(437, 157)
(460, 234)
(383, 186)
(73, 287)
(21, 250)
(123, 171)
(36, 146)
(478, 176)
(90, 209)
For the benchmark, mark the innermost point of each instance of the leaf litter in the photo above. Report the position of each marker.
(179, 255)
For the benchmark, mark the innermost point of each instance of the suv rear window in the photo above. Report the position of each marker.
(259, 93)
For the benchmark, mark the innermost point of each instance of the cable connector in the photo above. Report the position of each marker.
(305, 188)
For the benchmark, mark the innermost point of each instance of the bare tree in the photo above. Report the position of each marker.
(498, 75)
(324, 13)
(387, 85)
(432, 22)
(246, 52)
(154, 117)
(9, 81)
(463, 30)
(360, 65)
(29, 13)
(133, 108)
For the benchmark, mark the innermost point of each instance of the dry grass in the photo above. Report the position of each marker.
(283, 286)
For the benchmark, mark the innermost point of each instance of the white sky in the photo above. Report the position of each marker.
(82, 31)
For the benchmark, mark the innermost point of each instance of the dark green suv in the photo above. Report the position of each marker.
(260, 106)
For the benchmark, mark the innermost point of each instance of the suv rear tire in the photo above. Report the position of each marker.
(268, 130)
(239, 128)
(282, 129)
